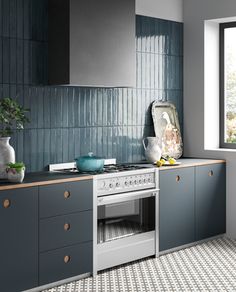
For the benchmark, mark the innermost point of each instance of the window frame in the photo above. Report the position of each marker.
(222, 28)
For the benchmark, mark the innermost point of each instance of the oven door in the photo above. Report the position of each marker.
(127, 227)
(124, 215)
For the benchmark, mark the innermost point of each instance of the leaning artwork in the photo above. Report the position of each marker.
(167, 129)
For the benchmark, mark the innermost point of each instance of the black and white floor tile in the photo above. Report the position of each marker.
(210, 266)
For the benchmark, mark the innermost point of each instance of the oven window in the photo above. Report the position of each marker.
(119, 220)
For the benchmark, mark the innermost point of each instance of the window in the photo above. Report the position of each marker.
(228, 85)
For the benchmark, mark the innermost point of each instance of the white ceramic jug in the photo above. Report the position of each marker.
(7, 155)
(152, 149)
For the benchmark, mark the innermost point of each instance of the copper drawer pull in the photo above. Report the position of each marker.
(66, 226)
(177, 178)
(6, 203)
(210, 173)
(66, 194)
(66, 259)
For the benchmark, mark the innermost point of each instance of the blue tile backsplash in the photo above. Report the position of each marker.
(70, 121)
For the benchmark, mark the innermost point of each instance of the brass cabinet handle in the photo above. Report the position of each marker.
(66, 226)
(66, 259)
(210, 173)
(66, 194)
(6, 203)
(177, 178)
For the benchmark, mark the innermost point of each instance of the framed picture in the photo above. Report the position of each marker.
(167, 129)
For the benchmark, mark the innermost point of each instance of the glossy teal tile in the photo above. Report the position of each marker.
(70, 121)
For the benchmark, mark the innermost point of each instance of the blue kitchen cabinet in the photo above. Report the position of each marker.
(210, 198)
(19, 239)
(176, 207)
(65, 230)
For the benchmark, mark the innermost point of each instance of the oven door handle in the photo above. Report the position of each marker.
(112, 199)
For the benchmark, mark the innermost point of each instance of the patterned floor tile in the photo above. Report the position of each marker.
(210, 266)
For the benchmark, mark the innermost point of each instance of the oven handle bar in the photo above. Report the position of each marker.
(112, 199)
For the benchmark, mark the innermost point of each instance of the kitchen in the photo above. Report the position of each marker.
(111, 121)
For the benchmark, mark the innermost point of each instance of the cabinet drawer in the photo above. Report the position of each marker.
(59, 199)
(65, 230)
(65, 263)
(176, 207)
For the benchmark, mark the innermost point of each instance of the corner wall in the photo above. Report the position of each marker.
(195, 13)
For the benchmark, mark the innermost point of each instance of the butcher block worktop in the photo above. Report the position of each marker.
(47, 178)
(44, 178)
(189, 162)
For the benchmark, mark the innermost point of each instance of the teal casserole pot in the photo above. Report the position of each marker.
(89, 163)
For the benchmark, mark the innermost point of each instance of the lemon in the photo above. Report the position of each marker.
(159, 163)
(172, 160)
(163, 161)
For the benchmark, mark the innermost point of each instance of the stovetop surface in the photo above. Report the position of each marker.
(111, 168)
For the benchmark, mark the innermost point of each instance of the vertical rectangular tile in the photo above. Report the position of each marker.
(109, 105)
(1, 17)
(27, 62)
(13, 60)
(47, 147)
(94, 107)
(6, 60)
(19, 61)
(20, 18)
(67, 116)
(1, 60)
(27, 149)
(65, 142)
(78, 151)
(40, 150)
(27, 19)
(13, 18)
(40, 104)
(6, 18)
(72, 144)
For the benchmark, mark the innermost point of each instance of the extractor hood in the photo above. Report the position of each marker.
(92, 43)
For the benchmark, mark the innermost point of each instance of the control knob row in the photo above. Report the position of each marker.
(111, 185)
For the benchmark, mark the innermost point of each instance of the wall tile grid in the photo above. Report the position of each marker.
(70, 121)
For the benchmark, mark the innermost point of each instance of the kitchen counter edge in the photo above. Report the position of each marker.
(43, 179)
(191, 162)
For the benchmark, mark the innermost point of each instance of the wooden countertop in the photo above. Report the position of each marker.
(44, 178)
(189, 162)
(48, 178)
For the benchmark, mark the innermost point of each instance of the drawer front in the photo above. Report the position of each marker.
(60, 199)
(65, 263)
(65, 230)
(176, 207)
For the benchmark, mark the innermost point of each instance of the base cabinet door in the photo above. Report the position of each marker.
(19, 239)
(210, 200)
(176, 207)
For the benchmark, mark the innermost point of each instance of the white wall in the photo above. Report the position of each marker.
(164, 9)
(195, 13)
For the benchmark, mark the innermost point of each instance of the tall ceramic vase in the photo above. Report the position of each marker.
(7, 155)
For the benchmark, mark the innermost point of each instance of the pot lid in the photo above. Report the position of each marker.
(90, 156)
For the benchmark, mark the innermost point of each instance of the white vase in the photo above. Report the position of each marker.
(7, 155)
(152, 149)
(15, 176)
